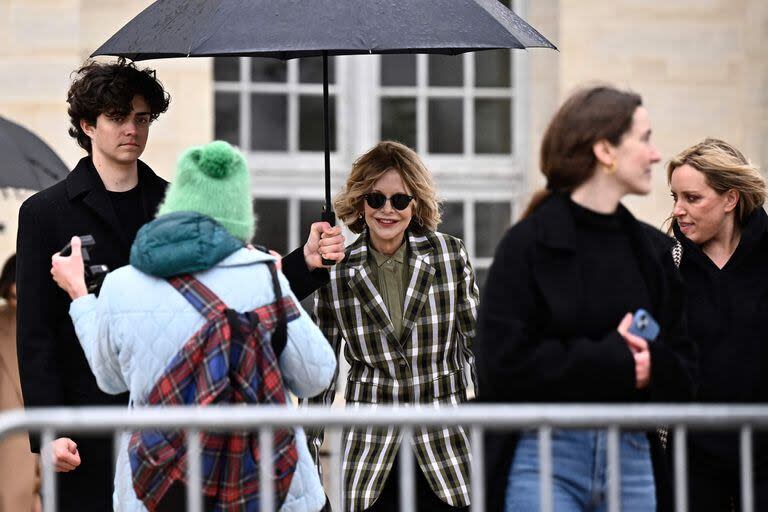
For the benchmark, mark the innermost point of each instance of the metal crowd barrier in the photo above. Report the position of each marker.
(476, 417)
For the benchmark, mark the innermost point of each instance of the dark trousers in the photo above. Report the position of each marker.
(426, 499)
(89, 487)
(713, 489)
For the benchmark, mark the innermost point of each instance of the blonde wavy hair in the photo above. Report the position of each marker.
(725, 168)
(371, 166)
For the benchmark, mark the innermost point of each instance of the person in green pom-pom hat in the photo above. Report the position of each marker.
(145, 319)
(110, 194)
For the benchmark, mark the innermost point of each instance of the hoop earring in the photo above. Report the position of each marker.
(611, 169)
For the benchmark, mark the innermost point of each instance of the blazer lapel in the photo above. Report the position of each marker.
(422, 274)
(365, 291)
(85, 182)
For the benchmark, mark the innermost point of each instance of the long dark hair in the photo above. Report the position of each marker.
(589, 115)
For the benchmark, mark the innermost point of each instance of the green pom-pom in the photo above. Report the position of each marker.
(216, 159)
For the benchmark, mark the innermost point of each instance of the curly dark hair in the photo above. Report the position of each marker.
(101, 88)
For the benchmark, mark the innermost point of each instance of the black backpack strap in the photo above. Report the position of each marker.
(280, 335)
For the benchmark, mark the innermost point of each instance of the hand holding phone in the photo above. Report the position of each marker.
(644, 325)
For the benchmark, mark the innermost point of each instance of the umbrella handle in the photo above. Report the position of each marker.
(328, 216)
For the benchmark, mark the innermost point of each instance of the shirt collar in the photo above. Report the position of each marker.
(381, 259)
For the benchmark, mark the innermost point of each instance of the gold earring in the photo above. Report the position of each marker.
(611, 168)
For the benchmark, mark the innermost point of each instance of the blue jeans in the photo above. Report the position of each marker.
(580, 475)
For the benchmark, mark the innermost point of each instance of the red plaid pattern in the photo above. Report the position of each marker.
(229, 360)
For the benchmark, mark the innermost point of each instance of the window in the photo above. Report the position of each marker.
(267, 105)
(480, 223)
(465, 115)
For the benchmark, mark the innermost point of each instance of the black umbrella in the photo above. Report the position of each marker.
(28, 162)
(287, 29)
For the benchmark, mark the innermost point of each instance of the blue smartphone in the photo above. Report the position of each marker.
(644, 325)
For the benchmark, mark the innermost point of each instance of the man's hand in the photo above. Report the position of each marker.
(64, 454)
(69, 271)
(324, 242)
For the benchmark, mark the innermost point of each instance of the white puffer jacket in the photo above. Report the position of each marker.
(139, 322)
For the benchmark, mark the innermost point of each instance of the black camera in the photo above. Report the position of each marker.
(94, 274)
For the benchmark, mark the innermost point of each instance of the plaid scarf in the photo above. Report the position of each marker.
(229, 360)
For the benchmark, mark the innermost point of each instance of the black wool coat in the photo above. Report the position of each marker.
(53, 368)
(727, 311)
(526, 354)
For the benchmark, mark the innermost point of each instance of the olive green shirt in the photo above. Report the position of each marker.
(390, 277)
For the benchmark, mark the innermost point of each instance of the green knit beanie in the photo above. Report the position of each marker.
(213, 180)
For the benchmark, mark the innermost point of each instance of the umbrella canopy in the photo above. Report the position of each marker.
(27, 162)
(286, 29)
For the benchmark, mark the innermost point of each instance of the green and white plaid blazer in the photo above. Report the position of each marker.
(425, 365)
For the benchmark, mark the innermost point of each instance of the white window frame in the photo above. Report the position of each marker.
(295, 175)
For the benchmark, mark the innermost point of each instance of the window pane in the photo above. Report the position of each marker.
(227, 118)
(226, 69)
(398, 120)
(446, 70)
(311, 70)
(492, 69)
(446, 126)
(492, 219)
(269, 121)
(271, 223)
(493, 126)
(268, 70)
(398, 69)
(453, 219)
(311, 123)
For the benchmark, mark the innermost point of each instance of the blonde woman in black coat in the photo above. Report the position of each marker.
(718, 218)
(554, 317)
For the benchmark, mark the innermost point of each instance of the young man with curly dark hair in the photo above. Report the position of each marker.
(109, 194)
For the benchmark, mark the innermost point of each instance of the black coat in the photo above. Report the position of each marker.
(727, 311)
(53, 368)
(525, 353)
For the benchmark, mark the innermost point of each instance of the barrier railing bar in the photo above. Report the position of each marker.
(336, 477)
(493, 417)
(680, 441)
(546, 497)
(477, 473)
(194, 472)
(407, 472)
(49, 476)
(747, 491)
(267, 469)
(613, 459)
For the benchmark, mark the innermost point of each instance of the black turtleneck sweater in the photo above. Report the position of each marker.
(609, 272)
(728, 319)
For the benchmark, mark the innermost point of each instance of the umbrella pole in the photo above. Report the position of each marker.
(328, 214)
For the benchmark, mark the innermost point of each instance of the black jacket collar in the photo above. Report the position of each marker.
(556, 235)
(84, 183)
(753, 232)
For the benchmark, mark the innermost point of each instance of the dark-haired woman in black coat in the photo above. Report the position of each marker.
(554, 319)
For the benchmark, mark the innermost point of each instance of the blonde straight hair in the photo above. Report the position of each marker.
(724, 168)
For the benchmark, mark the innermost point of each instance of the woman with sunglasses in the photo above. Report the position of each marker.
(404, 301)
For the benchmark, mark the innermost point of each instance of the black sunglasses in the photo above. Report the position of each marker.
(377, 200)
